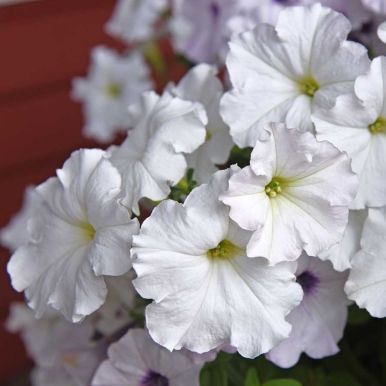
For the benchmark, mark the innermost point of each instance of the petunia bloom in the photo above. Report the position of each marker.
(190, 259)
(319, 320)
(366, 284)
(294, 195)
(64, 353)
(81, 233)
(112, 84)
(152, 158)
(201, 85)
(280, 74)
(134, 21)
(135, 360)
(199, 28)
(357, 125)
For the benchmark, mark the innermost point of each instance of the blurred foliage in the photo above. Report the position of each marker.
(360, 362)
(184, 187)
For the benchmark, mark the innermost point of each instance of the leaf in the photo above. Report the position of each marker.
(282, 382)
(251, 378)
(357, 316)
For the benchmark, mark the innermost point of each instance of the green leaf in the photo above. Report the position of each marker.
(283, 382)
(251, 378)
(357, 316)
(154, 56)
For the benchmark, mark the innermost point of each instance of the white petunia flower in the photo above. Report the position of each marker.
(152, 158)
(319, 320)
(341, 254)
(201, 84)
(190, 259)
(294, 195)
(199, 28)
(134, 20)
(280, 74)
(61, 350)
(80, 234)
(357, 125)
(136, 360)
(15, 233)
(378, 6)
(113, 83)
(366, 284)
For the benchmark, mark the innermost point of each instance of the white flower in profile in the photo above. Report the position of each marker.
(115, 313)
(366, 284)
(135, 360)
(199, 28)
(294, 195)
(152, 158)
(112, 84)
(378, 6)
(201, 85)
(341, 254)
(319, 320)
(15, 233)
(134, 20)
(81, 233)
(357, 125)
(280, 74)
(190, 259)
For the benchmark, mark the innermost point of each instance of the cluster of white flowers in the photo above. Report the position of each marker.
(261, 258)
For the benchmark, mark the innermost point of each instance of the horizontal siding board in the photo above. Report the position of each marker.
(53, 46)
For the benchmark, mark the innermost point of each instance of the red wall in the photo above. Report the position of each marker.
(44, 44)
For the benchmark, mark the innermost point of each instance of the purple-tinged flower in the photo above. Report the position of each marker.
(319, 320)
(135, 360)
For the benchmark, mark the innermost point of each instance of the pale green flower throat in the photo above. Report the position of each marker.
(114, 90)
(226, 250)
(88, 231)
(308, 86)
(379, 126)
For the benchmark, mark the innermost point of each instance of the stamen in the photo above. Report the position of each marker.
(226, 250)
(379, 126)
(273, 188)
(114, 90)
(308, 86)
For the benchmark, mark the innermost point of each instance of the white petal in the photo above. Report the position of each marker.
(341, 254)
(366, 284)
(382, 31)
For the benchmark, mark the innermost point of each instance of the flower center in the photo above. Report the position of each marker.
(379, 126)
(308, 86)
(70, 360)
(308, 281)
(273, 188)
(88, 231)
(208, 136)
(214, 10)
(114, 90)
(153, 378)
(226, 250)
